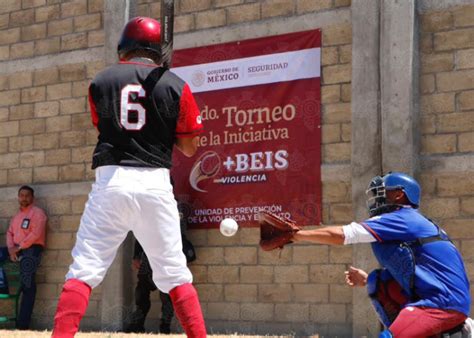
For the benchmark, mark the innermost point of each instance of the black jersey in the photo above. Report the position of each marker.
(139, 109)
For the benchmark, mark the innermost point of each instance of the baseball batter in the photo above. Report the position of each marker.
(141, 111)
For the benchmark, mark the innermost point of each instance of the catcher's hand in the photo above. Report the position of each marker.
(275, 232)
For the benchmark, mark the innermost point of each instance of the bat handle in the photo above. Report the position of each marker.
(167, 23)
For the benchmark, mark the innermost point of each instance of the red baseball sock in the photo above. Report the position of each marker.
(71, 307)
(188, 310)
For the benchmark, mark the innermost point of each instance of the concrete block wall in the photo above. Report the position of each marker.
(46, 138)
(447, 123)
(45, 127)
(50, 50)
(35, 28)
(45, 133)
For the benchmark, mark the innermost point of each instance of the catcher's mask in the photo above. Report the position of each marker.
(377, 192)
(140, 33)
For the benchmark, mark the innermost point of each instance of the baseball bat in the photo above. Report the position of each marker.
(167, 23)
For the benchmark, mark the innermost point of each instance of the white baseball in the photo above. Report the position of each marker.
(228, 227)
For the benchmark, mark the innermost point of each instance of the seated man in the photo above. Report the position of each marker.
(26, 237)
(422, 289)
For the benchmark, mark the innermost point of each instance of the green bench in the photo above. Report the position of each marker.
(12, 271)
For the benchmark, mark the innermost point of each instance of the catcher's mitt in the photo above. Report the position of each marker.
(275, 232)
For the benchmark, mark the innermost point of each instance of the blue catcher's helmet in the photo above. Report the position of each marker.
(407, 184)
(376, 201)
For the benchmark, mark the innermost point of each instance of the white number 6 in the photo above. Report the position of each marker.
(126, 107)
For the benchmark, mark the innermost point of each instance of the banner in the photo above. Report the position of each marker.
(261, 148)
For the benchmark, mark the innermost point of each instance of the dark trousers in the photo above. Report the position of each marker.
(30, 259)
(145, 286)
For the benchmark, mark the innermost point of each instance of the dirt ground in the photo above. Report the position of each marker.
(47, 334)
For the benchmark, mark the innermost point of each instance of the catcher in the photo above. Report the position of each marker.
(422, 288)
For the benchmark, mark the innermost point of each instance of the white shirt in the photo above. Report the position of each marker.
(356, 233)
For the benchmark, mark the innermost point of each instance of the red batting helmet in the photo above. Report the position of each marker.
(140, 33)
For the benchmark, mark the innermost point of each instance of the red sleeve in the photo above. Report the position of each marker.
(95, 117)
(189, 120)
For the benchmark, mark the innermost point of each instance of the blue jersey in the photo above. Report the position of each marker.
(440, 279)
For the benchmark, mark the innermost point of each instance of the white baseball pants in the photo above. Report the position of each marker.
(127, 199)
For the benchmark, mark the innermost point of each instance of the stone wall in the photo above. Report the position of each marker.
(51, 49)
(447, 128)
(46, 137)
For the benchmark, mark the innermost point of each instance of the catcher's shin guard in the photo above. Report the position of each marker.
(188, 310)
(71, 308)
(386, 334)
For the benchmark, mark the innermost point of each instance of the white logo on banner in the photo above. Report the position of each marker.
(256, 70)
(198, 78)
